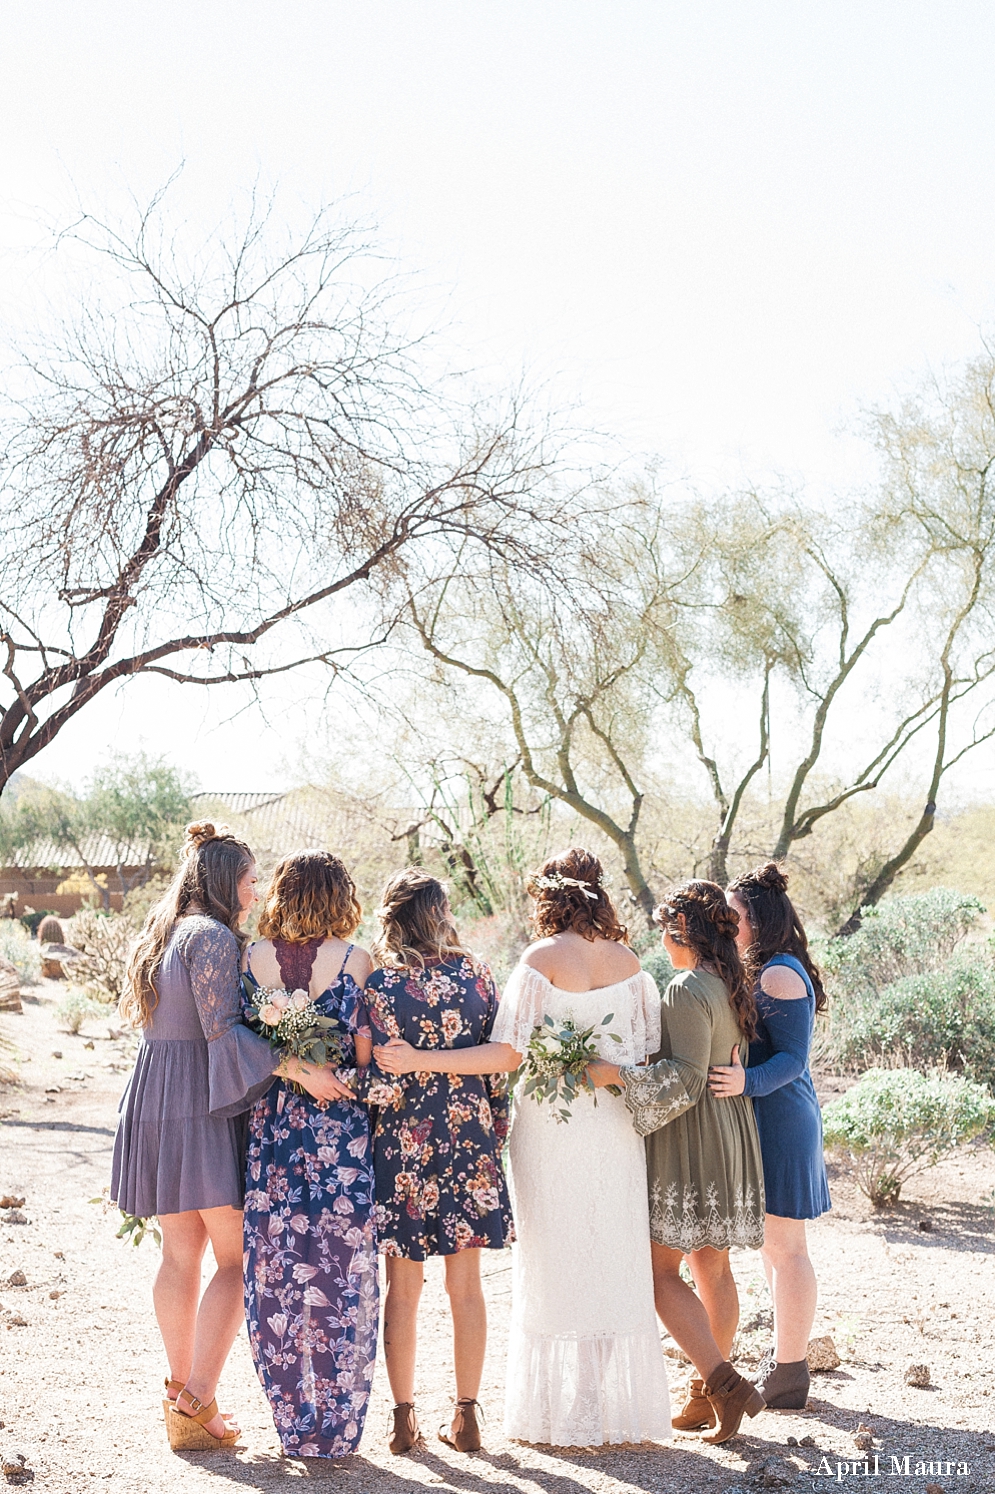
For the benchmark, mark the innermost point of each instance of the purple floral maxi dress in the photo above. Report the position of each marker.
(311, 1287)
(440, 1186)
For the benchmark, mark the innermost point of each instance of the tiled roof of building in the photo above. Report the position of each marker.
(98, 851)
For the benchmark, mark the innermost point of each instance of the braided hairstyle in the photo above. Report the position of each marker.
(776, 927)
(568, 894)
(415, 925)
(212, 863)
(697, 916)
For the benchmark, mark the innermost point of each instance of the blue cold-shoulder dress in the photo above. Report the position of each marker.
(311, 1288)
(183, 1118)
(789, 1119)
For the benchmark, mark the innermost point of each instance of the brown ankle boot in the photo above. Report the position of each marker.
(697, 1411)
(731, 1397)
(464, 1434)
(406, 1433)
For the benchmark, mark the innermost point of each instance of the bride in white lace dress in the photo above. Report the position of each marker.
(585, 1363)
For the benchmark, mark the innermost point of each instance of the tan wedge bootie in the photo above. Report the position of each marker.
(697, 1410)
(732, 1397)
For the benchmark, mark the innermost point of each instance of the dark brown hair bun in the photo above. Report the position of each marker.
(775, 925)
(770, 876)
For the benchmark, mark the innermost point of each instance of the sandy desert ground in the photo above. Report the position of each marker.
(81, 1365)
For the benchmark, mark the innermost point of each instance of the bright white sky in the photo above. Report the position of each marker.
(722, 225)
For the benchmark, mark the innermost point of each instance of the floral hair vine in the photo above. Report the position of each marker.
(555, 880)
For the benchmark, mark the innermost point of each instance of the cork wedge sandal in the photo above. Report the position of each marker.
(169, 1400)
(188, 1430)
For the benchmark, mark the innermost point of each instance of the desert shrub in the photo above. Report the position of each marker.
(895, 1123)
(104, 942)
(656, 962)
(49, 930)
(19, 949)
(942, 1019)
(902, 936)
(31, 920)
(78, 1005)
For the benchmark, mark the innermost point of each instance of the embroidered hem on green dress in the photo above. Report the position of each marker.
(704, 1169)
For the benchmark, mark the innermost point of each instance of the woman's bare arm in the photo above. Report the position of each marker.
(399, 1057)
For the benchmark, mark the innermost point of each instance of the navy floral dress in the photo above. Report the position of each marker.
(311, 1287)
(440, 1187)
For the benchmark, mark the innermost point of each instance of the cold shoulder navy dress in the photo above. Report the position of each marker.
(789, 1119)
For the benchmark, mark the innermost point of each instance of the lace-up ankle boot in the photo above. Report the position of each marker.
(464, 1434)
(697, 1410)
(406, 1433)
(732, 1397)
(784, 1386)
(765, 1366)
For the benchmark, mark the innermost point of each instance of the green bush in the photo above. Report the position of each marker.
(902, 936)
(943, 1019)
(19, 949)
(656, 963)
(30, 921)
(895, 1123)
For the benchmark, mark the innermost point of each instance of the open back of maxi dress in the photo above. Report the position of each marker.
(585, 1363)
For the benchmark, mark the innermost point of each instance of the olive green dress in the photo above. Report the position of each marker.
(703, 1161)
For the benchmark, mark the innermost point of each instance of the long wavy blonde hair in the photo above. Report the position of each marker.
(212, 863)
(415, 924)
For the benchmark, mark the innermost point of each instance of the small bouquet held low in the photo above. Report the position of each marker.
(291, 1022)
(554, 1064)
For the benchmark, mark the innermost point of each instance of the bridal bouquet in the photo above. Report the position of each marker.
(291, 1021)
(555, 1061)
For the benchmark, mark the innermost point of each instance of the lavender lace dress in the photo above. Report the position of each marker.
(181, 1132)
(311, 1286)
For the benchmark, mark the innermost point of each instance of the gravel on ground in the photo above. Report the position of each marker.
(81, 1364)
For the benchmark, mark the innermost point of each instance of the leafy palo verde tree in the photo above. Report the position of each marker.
(218, 446)
(805, 619)
(571, 666)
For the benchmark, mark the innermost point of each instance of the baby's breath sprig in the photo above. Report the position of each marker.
(291, 1022)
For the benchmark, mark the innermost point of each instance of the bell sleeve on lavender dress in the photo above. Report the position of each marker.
(240, 1063)
(660, 1092)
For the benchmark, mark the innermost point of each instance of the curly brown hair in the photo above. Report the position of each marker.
(212, 863)
(697, 916)
(310, 896)
(415, 925)
(777, 929)
(569, 894)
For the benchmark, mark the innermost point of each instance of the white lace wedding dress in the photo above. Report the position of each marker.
(585, 1364)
